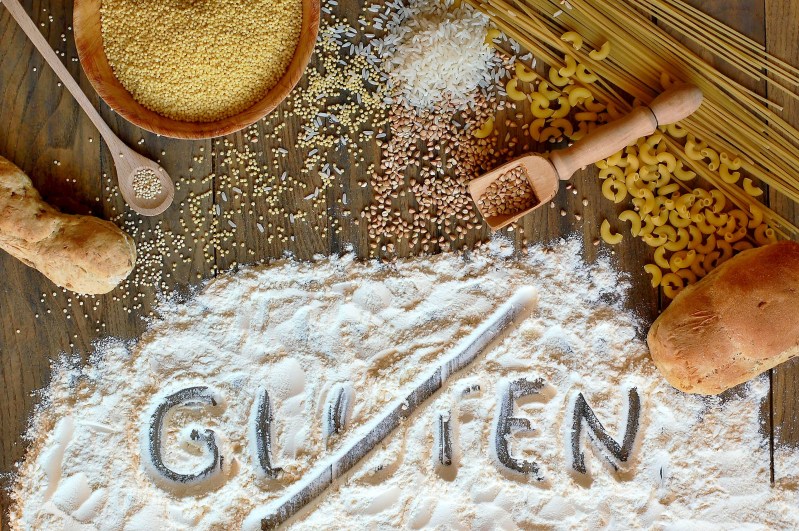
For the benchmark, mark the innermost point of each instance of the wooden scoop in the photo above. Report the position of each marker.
(126, 161)
(544, 174)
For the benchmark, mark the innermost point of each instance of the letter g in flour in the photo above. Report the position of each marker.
(191, 396)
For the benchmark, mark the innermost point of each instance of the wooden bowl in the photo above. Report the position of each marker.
(89, 41)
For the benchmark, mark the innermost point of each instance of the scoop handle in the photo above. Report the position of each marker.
(672, 106)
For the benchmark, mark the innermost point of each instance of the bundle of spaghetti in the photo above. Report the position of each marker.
(733, 120)
(748, 55)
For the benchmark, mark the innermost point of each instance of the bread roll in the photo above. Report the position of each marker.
(739, 321)
(81, 253)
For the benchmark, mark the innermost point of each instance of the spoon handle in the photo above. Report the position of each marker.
(23, 19)
(672, 106)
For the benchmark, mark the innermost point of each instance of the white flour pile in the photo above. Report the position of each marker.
(301, 331)
(435, 52)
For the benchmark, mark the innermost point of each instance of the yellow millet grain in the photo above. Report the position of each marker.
(200, 60)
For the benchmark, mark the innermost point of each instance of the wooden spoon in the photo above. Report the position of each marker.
(126, 161)
(544, 174)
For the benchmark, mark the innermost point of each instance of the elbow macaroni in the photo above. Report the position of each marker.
(601, 53)
(657, 274)
(556, 79)
(634, 219)
(540, 106)
(524, 73)
(577, 96)
(574, 38)
(691, 230)
(568, 70)
(614, 190)
(563, 108)
(513, 92)
(751, 189)
(607, 235)
(486, 129)
(584, 75)
(543, 88)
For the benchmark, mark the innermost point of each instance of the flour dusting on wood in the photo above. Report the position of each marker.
(503, 443)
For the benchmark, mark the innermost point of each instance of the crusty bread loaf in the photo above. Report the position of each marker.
(739, 321)
(81, 253)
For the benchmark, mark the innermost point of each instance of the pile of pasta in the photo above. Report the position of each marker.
(692, 229)
(693, 225)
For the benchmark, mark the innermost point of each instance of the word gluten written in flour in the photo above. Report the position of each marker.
(584, 421)
(336, 411)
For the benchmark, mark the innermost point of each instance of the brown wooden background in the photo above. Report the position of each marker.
(40, 123)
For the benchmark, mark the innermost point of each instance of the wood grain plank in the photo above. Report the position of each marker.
(782, 35)
(41, 125)
(48, 126)
(748, 18)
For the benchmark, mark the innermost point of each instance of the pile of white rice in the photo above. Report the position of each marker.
(434, 52)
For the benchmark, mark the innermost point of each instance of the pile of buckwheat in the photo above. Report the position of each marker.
(509, 194)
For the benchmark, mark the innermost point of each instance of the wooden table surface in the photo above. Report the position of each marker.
(40, 123)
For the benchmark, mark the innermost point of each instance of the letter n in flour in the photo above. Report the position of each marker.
(614, 453)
